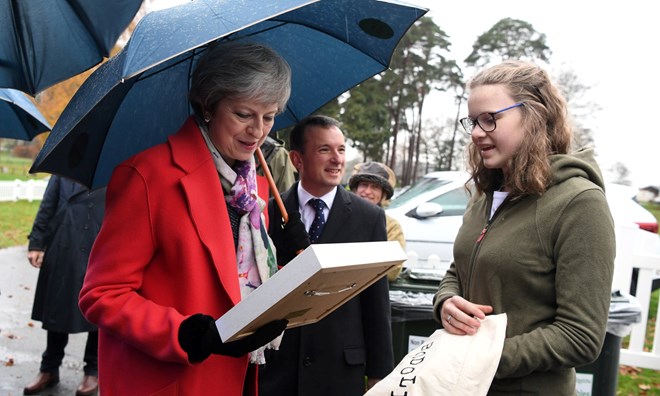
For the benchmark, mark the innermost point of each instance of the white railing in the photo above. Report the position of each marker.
(18, 189)
(639, 249)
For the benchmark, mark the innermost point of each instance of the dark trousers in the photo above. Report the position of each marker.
(55, 344)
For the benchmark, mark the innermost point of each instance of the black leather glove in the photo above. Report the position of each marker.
(293, 239)
(199, 337)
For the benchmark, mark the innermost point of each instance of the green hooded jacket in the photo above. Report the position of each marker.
(547, 262)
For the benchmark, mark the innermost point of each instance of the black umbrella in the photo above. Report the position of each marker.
(140, 96)
(19, 117)
(43, 42)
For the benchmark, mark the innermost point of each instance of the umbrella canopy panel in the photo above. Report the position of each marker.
(134, 101)
(43, 42)
(19, 117)
(167, 33)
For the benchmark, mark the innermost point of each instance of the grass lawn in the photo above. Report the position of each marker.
(12, 168)
(16, 222)
(653, 208)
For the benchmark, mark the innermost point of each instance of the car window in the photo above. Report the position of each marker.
(422, 186)
(453, 202)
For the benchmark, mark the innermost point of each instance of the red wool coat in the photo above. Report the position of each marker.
(165, 252)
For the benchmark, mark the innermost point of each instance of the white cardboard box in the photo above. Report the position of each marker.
(312, 285)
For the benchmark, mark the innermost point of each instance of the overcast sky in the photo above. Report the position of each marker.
(611, 47)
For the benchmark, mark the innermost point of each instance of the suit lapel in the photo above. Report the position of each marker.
(290, 199)
(206, 204)
(340, 212)
(73, 190)
(208, 211)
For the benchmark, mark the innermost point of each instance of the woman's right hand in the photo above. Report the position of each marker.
(459, 316)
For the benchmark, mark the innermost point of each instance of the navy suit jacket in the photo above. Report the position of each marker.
(333, 356)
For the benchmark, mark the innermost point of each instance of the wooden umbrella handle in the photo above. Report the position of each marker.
(273, 187)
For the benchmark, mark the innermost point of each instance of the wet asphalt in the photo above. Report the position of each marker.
(22, 340)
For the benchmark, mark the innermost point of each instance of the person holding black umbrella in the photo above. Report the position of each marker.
(351, 349)
(184, 240)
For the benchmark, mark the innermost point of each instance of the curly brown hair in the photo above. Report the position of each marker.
(545, 122)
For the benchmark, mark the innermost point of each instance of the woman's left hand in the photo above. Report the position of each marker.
(294, 239)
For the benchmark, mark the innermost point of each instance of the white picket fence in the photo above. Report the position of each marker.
(18, 189)
(639, 249)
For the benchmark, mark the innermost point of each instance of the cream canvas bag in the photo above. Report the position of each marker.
(448, 364)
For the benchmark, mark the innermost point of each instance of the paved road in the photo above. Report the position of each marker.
(22, 340)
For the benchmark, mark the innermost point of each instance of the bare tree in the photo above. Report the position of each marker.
(621, 174)
(581, 110)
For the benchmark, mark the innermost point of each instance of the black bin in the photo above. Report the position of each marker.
(411, 299)
(603, 373)
(600, 377)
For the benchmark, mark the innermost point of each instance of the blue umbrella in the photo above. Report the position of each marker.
(43, 42)
(19, 117)
(139, 97)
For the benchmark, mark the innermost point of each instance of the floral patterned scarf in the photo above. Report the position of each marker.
(255, 253)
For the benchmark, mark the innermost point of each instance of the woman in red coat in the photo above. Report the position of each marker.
(183, 239)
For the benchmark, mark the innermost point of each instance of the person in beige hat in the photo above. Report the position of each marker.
(375, 181)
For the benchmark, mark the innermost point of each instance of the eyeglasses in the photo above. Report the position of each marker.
(486, 121)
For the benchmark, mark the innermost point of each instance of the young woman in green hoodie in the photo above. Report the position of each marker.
(537, 240)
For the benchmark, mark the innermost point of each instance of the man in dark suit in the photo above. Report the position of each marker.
(333, 356)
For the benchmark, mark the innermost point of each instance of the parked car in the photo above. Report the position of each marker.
(624, 207)
(431, 212)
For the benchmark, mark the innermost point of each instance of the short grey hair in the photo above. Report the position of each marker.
(242, 71)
